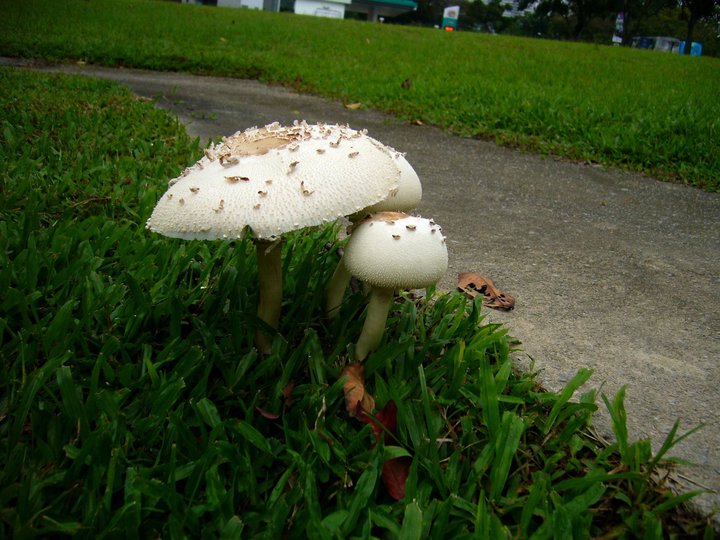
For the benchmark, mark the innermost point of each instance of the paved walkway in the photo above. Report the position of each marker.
(612, 271)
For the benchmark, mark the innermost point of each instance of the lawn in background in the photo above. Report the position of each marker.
(656, 113)
(132, 402)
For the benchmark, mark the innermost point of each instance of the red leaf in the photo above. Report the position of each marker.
(385, 418)
(287, 392)
(394, 474)
(395, 471)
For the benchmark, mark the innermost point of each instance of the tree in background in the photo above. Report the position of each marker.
(477, 15)
(586, 20)
(697, 10)
(636, 12)
(578, 12)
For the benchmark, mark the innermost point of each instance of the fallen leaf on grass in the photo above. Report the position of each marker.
(287, 399)
(267, 414)
(395, 471)
(287, 392)
(357, 400)
(384, 421)
(471, 284)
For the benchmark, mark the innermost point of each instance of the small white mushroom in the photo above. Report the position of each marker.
(401, 198)
(385, 260)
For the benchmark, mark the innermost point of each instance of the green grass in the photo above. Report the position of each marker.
(132, 403)
(635, 109)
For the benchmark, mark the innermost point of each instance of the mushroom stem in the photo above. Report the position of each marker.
(336, 290)
(270, 297)
(374, 326)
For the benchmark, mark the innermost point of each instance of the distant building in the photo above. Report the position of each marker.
(375, 9)
(270, 5)
(512, 8)
(657, 43)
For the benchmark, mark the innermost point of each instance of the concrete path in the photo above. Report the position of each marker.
(612, 271)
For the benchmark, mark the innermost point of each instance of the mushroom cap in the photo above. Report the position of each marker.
(408, 193)
(276, 179)
(394, 250)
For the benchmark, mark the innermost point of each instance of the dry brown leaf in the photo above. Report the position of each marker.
(357, 400)
(353, 106)
(471, 284)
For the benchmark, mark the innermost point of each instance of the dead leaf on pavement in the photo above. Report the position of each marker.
(471, 284)
(353, 106)
(357, 400)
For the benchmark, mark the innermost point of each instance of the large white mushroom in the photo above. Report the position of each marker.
(391, 250)
(271, 181)
(406, 197)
